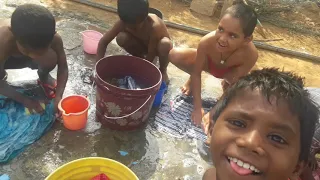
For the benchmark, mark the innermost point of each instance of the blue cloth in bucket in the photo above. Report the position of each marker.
(158, 99)
(18, 130)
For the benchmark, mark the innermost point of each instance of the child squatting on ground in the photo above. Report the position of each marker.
(263, 128)
(31, 41)
(227, 53)
(139, 33)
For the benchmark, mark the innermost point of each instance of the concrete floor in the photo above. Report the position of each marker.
(158, 156)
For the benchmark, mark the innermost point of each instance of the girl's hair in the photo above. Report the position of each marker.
(246, 15)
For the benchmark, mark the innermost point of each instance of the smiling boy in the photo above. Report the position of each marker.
(263, 128)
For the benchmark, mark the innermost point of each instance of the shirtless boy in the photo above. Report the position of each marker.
(141, 34)
(31, 41)
(227, 53)
(263, 128)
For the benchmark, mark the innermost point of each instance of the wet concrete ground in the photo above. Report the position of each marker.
(158, 156)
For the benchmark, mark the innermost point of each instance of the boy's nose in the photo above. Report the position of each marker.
(223, 38)
(252, 141)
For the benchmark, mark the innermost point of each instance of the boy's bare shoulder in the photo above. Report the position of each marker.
(119, 25)
(6, 34)
(57, 44)
(158, 25)
(156, 20)
(210, 174)
(7, 40)
(57, 41)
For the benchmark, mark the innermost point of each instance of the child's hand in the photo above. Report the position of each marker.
(197, 115)
(34, 106)
(57, 112)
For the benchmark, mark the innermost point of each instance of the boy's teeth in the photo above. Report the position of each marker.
(244, 165)
(240, 163)
(252, 168)
(235, 160)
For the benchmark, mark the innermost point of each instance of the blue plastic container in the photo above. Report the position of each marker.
(158, 99)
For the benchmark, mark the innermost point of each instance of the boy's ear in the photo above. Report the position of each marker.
(248, 39)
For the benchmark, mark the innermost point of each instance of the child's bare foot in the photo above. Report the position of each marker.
(165, 78)
(186, 88)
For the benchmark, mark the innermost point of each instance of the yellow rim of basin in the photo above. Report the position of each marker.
(91, 166)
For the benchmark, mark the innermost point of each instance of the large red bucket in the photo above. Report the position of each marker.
(124, 109)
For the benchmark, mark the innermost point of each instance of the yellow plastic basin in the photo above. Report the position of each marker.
(87, 168)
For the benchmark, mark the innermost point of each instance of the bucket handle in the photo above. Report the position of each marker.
(130, 113)
(104, 87)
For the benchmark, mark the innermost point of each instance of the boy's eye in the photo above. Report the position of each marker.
(237, 123)
(277, 139)
(233, 36)
(220, 29)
